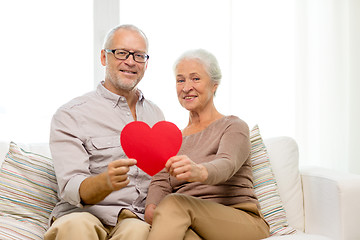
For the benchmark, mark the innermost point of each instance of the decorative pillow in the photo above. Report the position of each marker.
(17, 229)
(266, 188)
(28, 188)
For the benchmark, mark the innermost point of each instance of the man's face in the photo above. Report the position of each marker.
(123, 75)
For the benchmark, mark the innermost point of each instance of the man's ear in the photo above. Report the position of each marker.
(103, 57)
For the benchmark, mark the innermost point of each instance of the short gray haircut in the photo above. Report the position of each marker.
(207, 59)
(109, 37)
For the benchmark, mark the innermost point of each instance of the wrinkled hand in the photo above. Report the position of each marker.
(183, 168)
(117, 170)
(149, 213)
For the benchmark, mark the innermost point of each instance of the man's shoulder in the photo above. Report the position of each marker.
(151, 106)
(150, 103)
(78, 101)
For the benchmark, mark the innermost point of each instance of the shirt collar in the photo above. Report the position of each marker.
(114, 98)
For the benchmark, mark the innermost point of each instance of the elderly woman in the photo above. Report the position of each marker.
(206, 191)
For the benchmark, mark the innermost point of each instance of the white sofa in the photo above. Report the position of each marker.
(329, 208)
(321, 204)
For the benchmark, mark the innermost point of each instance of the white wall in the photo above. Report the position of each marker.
(292, 66)
(46, 59)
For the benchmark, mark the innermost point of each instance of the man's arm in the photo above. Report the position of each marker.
(96, 188)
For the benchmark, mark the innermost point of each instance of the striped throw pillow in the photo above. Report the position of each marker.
(266, 188)
(11, 228)
(28, 189)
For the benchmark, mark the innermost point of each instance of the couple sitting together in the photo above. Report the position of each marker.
(204, 192)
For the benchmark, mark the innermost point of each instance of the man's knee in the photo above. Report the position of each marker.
(73, 224)
(130, 228)
(77, 218)
(135, 223)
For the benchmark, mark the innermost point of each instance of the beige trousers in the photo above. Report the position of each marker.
(85, 226)
(179, 217)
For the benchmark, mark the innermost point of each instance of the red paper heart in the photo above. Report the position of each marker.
(151, 147)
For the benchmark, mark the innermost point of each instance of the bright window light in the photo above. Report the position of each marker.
(46, 60)
(252, 40)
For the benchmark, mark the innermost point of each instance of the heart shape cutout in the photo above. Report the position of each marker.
(151, 147)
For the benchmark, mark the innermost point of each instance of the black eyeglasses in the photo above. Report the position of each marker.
(122, 54)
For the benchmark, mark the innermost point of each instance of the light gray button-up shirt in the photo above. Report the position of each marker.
(84, 139)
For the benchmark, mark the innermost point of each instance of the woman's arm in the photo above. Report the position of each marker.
(149, 213)
(158, 189)
(183, 168)
(234, 150)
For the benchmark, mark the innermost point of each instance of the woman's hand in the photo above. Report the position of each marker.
(183, 168)
(149, 213)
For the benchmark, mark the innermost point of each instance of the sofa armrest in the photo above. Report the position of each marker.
(331, 203)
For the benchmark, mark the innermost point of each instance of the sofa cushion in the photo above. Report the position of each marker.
(39, 148)
(284, 158)
(28, 187)
(299, 236)
(266, 188)
(19, 229)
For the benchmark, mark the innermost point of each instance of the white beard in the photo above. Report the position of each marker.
(119, 83)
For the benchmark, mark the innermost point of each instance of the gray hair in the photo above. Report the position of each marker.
(207, 59)
(109, 37)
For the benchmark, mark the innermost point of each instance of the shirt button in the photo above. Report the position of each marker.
(128, 113)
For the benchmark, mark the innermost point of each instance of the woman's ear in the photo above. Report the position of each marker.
(215, 88)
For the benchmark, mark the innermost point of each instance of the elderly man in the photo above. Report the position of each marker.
(102, 193)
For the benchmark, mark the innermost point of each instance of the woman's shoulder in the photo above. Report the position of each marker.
(235, 121)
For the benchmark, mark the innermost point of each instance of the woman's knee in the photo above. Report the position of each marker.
(175, 199)
(175, 204)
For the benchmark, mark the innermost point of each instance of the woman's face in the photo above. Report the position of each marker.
(195, 89)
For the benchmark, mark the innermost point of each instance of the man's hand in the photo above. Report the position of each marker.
(117, 173)
(96, 188)
(183, 168)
